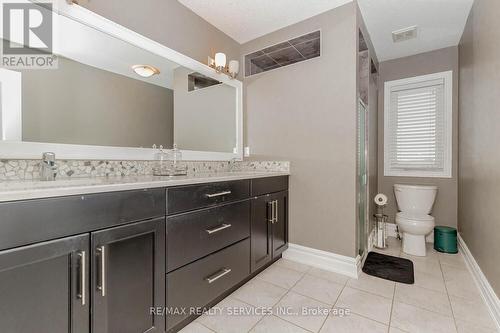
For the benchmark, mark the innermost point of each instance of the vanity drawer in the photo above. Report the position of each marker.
(185, 198)
(194, 235)
(267, 185)
(201, 282)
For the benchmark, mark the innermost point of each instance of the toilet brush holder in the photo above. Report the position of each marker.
(380, 237)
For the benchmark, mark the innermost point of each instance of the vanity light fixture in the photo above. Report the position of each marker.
(145, 70)
(219, 64)
(220, 61)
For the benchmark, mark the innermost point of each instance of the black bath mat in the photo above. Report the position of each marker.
(389, 268)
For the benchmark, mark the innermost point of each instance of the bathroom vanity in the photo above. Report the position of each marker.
(116, 250)
(145, 259)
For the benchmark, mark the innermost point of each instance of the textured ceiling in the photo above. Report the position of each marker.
(244, 20)
(440, 24)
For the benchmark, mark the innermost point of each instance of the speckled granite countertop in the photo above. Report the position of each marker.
(25, 189)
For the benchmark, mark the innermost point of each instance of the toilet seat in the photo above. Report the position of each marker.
(414, 217)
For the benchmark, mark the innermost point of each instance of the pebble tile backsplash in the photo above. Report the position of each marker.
(30, 169)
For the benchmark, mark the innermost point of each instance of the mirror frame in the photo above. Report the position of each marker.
(34, 150)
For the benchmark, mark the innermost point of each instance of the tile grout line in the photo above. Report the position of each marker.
(208, 328)
(369, 292)
(336, 300)
(288, 291)
(449, 300)
(279, 300)
(333, 306)
(392, 306)
(361, 315)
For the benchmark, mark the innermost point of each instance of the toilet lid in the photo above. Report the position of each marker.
(410, 216)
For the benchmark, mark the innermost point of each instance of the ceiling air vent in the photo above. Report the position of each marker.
(404, 34)
(292, 51)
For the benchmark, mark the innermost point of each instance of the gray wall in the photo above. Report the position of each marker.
(306, 113)
(479, 163)
(80, 104)
(445, 207)
(204, 119)
(170, 23)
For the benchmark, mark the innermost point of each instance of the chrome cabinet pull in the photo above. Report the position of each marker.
(101, 250)
(217, 229)
(83, 277)
(276, 212)
(218, 275)
(214, 195)
(273, 211)
(271, 219)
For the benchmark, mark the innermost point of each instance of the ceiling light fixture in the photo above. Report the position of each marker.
(145, 70)
(219, 64)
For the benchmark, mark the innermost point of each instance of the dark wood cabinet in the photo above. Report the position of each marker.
(133, 253)
(128, 265)
(269, 228)
(196, 234)
(190, 197)
(44, 287)
(260, 232)
(280, 225)
(192, 287)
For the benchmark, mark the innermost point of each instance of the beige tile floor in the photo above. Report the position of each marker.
(444, 299)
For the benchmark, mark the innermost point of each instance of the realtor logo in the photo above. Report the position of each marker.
(27, 35)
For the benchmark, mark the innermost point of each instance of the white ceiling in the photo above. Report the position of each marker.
(440, 24)
(244, 20)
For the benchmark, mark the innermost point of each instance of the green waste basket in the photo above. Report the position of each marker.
(445, 239)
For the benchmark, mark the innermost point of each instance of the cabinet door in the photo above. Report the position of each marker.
(280, 224)
(44, 287)
(261, 232)
(128, 278)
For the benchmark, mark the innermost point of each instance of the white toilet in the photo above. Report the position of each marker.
(415, 204)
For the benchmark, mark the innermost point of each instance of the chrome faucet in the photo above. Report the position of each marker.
(48, 168)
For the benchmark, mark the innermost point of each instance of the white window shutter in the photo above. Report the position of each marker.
(418, 129)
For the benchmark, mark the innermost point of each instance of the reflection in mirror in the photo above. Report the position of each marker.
(96, 97)
(204, 117)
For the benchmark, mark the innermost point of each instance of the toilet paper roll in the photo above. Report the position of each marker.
(381, 199)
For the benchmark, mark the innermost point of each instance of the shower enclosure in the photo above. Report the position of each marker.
(362, 179)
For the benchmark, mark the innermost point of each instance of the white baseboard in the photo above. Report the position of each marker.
(488, 294)
(391, 232)
(325, 260)
(371, 240)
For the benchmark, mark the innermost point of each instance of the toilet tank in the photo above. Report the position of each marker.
(415, 199)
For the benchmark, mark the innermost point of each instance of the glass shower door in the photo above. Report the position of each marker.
(362, 180)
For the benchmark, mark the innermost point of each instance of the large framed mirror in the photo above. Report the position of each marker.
(114, 95)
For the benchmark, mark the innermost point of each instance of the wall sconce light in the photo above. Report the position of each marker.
(219, 64)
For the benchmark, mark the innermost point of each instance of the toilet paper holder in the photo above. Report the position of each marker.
(380, 236)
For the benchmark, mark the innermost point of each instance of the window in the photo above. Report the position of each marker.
(418, 126)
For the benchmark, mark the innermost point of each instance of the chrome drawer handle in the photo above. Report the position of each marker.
(83, 274)
(276, 211)
(271, 204)
(217, 229)
(101, 251)
(214, 195)
(218, 275)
